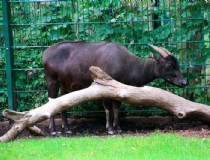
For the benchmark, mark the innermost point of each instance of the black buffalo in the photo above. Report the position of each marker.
(66, 66)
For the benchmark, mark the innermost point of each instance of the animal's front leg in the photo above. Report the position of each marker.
(108, 110)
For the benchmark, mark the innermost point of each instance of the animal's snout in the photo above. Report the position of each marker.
(183, 83)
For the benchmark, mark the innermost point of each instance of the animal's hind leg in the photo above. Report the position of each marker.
(52, 87)
(65, 124)
(108, 110)
(115, 107)
(52, 126)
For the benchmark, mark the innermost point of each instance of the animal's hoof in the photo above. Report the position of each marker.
(68, 132)
(53, 133)
(119, 131)
(111, 132)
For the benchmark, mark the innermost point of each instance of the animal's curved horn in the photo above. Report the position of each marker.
(164, 49)
(159, 50)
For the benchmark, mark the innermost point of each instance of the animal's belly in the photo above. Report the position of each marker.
(75, 85)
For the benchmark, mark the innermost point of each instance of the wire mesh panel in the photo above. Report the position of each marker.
(180, 26)
(3, 86)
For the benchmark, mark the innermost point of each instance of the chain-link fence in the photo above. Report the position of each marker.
(28, 27)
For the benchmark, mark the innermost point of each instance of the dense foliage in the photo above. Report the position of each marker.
(183, 28)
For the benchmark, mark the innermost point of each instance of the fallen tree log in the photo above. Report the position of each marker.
(106, 87)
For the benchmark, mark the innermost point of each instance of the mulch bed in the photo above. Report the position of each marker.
(135, 126)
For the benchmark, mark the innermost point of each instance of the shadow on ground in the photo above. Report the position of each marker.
(131, 126)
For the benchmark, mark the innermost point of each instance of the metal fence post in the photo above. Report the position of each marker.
(8, 52)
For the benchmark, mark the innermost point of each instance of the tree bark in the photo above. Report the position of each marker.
(106, 87)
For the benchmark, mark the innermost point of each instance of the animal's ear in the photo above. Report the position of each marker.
(156, 58)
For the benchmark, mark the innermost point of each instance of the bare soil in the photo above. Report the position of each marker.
(135, 126)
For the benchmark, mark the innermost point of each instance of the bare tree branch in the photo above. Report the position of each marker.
(106, 87)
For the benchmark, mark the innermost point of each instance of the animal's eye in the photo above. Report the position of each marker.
(169, 66)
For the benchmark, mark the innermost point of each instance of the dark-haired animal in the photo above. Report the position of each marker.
(66, 66)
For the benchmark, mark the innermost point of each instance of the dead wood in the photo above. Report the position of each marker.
(106, 87)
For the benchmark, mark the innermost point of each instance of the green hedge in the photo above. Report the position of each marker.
(182, 27)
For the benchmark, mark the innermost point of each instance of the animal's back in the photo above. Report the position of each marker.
(69, 62)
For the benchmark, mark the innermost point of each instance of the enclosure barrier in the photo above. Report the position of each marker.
(28, 27)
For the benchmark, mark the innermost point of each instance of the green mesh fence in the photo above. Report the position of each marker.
(3, 87)
(181, 26)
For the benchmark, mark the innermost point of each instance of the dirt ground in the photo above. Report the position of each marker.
(135, 126)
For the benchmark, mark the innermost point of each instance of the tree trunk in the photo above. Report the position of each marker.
(106, 87)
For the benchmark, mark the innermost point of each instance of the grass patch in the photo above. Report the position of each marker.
(157, 146)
